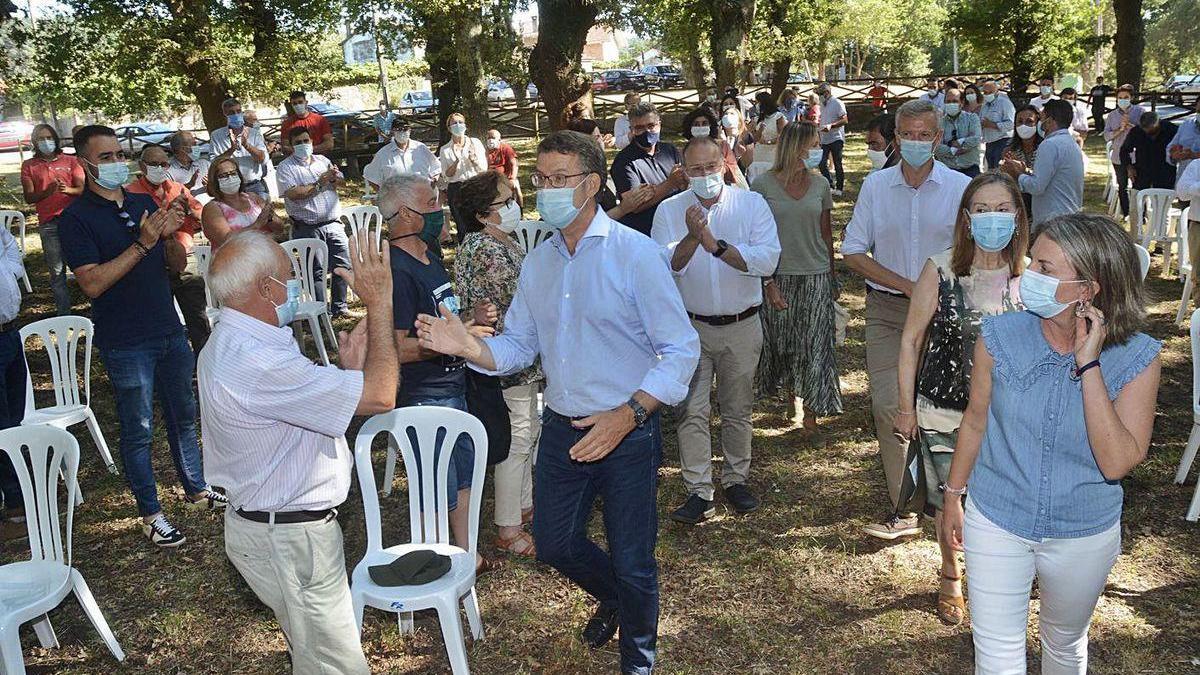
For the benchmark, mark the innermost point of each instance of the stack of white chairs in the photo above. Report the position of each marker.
(1154, 222)
(1185, 266)
(530, 233)
(305, 255)
(212, 311)
(9, 220)
(365, 217)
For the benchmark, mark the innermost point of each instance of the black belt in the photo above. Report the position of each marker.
(726, 319)
(562, 418)
(894, 294)
(288, 517)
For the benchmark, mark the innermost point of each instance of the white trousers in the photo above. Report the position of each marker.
(1071, 575)
(514, 476)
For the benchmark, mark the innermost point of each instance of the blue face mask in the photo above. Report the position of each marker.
(916, 153)
(993, 230)
(1039, 293)
(647, 138)
(286, 313)
(112, 175)
(813, 160)
(952, 109)
(235, 121)
(1041, 131)
(557, 205)
(195, 152)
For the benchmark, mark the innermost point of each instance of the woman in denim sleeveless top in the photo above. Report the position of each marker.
(1061, 409)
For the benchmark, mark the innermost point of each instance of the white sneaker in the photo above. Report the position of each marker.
(209, 500)
(895, 527)
(162, 533)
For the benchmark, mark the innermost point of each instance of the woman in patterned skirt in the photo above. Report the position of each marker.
(975, 278)
(798, 353)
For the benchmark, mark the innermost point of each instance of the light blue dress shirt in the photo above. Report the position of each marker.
(1188, 136)
(1057, 179)
(1003, 113)
(967, 130)
(607, 321)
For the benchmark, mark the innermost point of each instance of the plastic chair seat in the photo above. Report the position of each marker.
(30, 588)
(61, 416)
(458, 580)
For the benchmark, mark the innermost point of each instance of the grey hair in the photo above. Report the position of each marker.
(176, 141)
(229, 103)
(916, 108)
(582, 146)
(824, 88)
(641, 109)
(1149, 119)
(240, 264)
(397, 188)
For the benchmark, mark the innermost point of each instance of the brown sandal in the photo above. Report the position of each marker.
(520, 545)
(951, 608)
(527, 517)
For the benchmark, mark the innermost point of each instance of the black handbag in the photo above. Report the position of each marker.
(943, 377)
(485, 400)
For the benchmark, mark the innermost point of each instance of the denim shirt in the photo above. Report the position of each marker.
(1036, 476)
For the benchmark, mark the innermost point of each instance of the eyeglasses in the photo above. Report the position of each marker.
(504, 202)
(699, 170)
(558, 180)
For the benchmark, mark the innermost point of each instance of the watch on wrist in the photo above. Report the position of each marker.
(640, 415)
(722, 246)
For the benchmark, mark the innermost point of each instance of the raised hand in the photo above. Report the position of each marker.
(445, 334)
(696, 222)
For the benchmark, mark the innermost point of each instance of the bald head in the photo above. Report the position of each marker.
(243, 271)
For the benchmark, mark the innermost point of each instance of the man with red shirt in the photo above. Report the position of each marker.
(187, 286)
(503, 159)
(878, 94)
(50, 180)
(300, 116)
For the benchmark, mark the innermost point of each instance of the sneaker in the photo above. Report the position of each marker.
(209, 500)
(741, 499)
(895, 526)
(162, 533)
(837, 193)
(696, 509)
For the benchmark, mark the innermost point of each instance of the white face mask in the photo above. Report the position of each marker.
(156, 175)
(1026, 131)
(299, 108)
(700, 132)
(493, 143)
(729, 120)
(458, 129)
(401, 137)
(878, 158)
(302, 150)
(229, 184)
(510, 217)
(709, 186)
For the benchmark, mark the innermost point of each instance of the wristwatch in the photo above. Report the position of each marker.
(639, 413)
(722, 246)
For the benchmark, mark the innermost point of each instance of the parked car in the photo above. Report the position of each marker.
(140, 134)
(663, 76)
(1180, 85)
(14, 134)
(618, 79)
(331, 111)
(531, 91)
(798, 78)
(500, 91)
(418, 102)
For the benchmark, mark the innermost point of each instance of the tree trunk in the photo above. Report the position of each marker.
(731, 19)
(779, 76)
(443, 68)
(554, 62)
(1129, 42)
(696, 73)
(1022, 67)
(471, 85)
(204, 75)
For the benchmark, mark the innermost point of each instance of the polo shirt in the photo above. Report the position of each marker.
(503, 160)
(633, 166)
(318, 127)
(41, 173)
(166, 193)
(139, 306)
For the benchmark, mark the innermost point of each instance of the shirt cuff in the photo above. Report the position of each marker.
(663, 388)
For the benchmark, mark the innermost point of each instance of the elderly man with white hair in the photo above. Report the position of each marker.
(285, 469)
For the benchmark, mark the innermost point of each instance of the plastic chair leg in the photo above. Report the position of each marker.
(332, 333)
(10, 648)
(98, 436)
(389, 467)
(452, 634)
(315, 324)
(471, 605)
(28, 286)
(1188, 284)
(1193, 512)
(1189, 455)
(404, 620)
(45, 632)
(84, 595)
(356, 601)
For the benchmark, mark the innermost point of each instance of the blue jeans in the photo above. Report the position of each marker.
(833, 150)
(163, 366)
(626, 577)
(12, 409)
(52, 251)
(462, 462)
(334, 236)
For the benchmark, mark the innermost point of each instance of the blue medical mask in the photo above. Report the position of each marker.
(286, 313)
(708, 186)
(195, 152)
(458, 129)
(236, 120)
(112, 175)
(993, 230)
(647, 139)
(557, 205)
(988, 98)
(302, 150)
(1041, 131)
(813, 160)
(1045, 90)
(1039, 294)
(46, 146)
(1124, 103)
(916, 153)
(299, 108)
(952, 109)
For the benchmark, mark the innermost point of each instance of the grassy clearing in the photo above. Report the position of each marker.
(793, 588)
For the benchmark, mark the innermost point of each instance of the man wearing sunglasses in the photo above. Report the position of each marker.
(122, 249)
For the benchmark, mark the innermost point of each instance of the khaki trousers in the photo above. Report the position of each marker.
(299, 571)
(885, 324)
(731, 354)
(514, 476)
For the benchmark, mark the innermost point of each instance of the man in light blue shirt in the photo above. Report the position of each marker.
(996, 118)
(598, 304)
(1056, 182)
(961, 135)
(1186, 145)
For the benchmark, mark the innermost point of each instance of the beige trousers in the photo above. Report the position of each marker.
(514, 476)
(299, 571)
(885, 324)
(731, 354)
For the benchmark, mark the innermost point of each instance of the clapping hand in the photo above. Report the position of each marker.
(161, 223)
(352, 347)
(697, 224)
(371, 278)
(678, 178)
(637, 197)
(445, 334)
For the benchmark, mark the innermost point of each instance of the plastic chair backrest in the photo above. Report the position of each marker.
(1155, 206)
(369, 217)
(63, 337)
(1143, 259)
(1185, 261)
(203, 255)
(1195, 330)
(304, 254)
(427, 482)
(530, 233)
(10, 218)
(40, 454)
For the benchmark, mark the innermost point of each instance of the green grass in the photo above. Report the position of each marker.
(793, 588)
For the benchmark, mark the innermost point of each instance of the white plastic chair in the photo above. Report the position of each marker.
(8, 219)
(430, 528)
(1143, 259)
(212, 311)
(1185, 266)
(30, 589)
(63, 338)
(530, 233)
(369, 217)
(305, 254)
(1111, 183)
(1153, 221)
(1189, 453)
